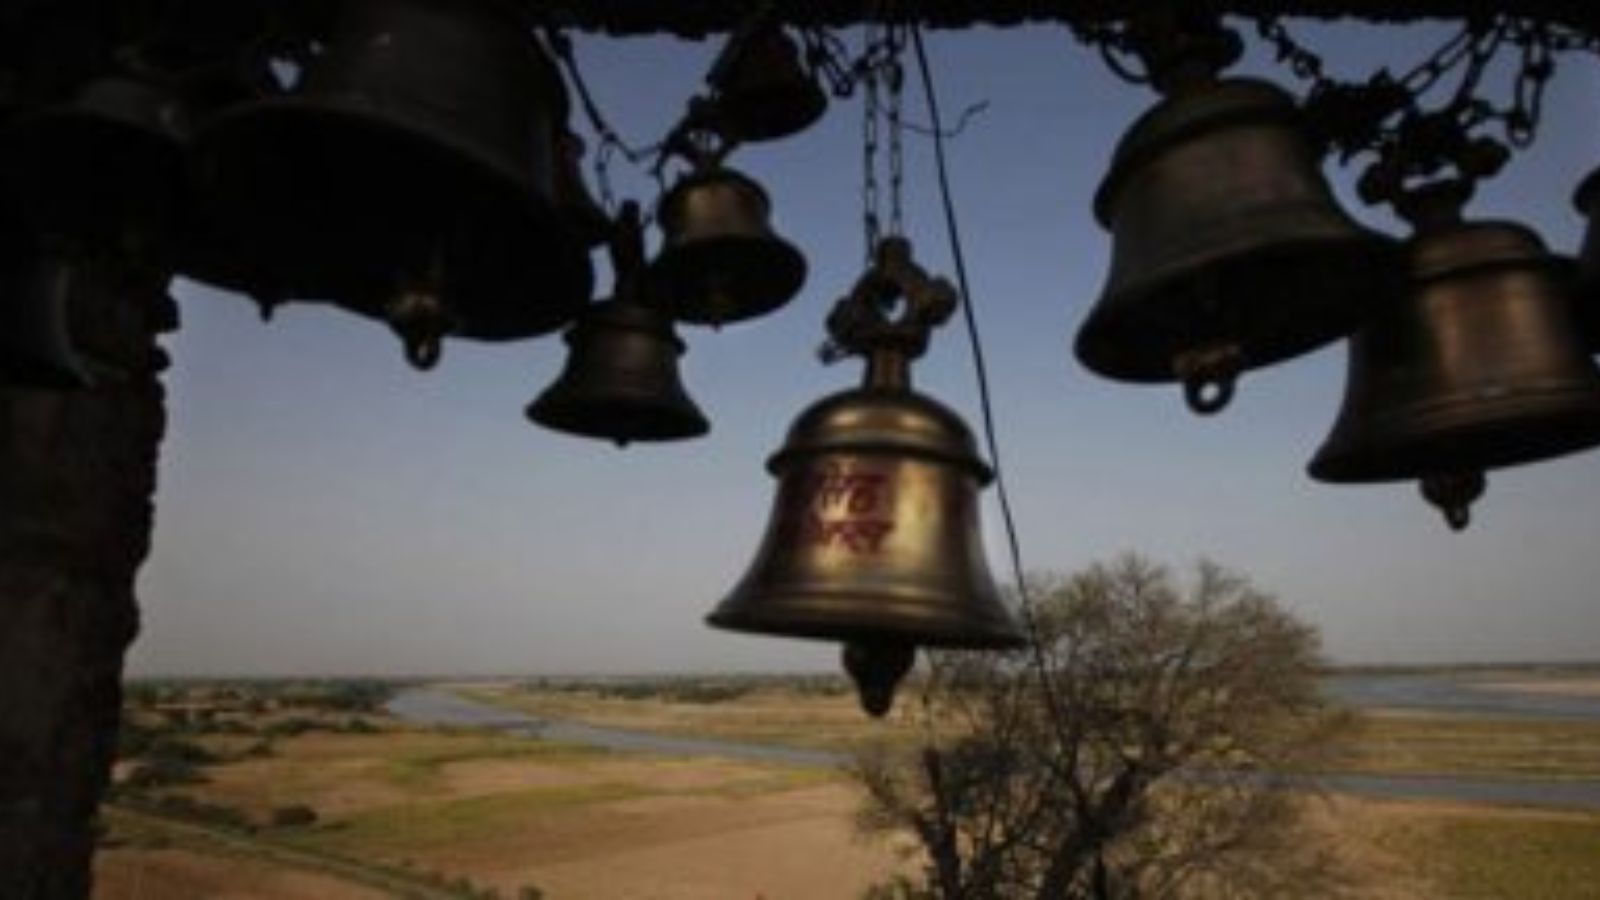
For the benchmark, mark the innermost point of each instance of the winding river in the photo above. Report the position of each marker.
(432, 706)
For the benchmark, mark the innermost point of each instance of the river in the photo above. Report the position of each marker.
(431, 706)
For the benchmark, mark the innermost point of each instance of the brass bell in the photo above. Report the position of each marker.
(874, 538)
(621, 379)
(105, 170)
(1587, 200)
(415, 155)
(762, 91)
(37, 293)
(1229, 251)
(720, 260)
(1478, 366)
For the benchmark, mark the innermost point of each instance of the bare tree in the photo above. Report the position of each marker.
(1140, 750)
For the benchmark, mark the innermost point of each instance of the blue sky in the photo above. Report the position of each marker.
(325, 509)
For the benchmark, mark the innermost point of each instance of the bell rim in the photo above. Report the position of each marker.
(1338, 315)
(674, 273)
(559, 415)
(1149, 137)
(1577, 428)
(816, 615)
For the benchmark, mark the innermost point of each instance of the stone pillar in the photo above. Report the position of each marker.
(77, 477)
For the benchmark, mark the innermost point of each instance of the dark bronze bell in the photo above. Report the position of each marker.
(1477, 366)
(1588, 202)
(762, 91)
(874, 538)
(105, 170)
(720, 260)
(621, 381)
(1229, 251)
(37, 293)
(415, 156)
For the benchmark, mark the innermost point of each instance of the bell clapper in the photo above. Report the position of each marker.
(1209, 375)
(1454, 493)
(877, 668)
(418, 315)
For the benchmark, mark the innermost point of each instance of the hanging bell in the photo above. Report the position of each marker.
(720, 260)
(874, 537)
(37, 292)
(1588, 202)
(418, 148)
(1478, 366)
(621, 381)
(105, 170)
(1229, 251)
(763, 92)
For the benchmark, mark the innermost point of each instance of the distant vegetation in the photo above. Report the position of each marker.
(689, 688)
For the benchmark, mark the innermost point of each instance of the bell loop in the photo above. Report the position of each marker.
(891, 311)
(1454, 493)
(877, 667)
(1209, 375)
(421, 320)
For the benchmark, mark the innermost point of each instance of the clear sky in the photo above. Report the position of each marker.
(325, 509)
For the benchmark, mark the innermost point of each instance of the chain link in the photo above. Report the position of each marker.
(896, 78)
(868, 80)
(1392, 119)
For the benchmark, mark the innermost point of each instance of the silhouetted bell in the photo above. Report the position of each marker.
(621, 381)
(1478, 366)
(418, 149)
(37, 292)
(720, 260)
(1229, 251)
(873, 538)
(1588, 203)
(104, 170)
(762, 91)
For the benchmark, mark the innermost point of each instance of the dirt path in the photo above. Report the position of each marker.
(397, 884)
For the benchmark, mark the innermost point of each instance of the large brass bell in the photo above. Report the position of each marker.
(720, 260)
(762, 91)
(1477, 366)
(874, 537)
(409, 175)
(621, 379)
(1587, 200)
(1229, 251)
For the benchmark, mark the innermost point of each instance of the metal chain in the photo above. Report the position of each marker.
(1386, 116)
(896, 78)
(868, 80)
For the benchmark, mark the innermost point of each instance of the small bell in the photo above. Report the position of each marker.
(874, 539)
(762, 91)
(423, 130)
(1229, 251)
(1478, 366)
(720, 260)
(621, 380)
(1587, 200)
